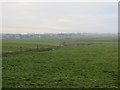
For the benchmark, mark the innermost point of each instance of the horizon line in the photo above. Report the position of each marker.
(65, 33)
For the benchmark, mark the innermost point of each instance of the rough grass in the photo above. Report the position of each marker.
(88, 66)
(18, 45)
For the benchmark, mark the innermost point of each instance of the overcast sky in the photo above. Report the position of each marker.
(55, 17)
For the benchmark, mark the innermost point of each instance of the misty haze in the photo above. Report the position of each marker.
(59, 45)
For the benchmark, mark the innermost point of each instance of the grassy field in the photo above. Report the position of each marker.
(84, 62)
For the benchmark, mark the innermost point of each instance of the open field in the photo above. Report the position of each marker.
(72, 63)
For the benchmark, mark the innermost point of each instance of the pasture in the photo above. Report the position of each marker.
(72, 63)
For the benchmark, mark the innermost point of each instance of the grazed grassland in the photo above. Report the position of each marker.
(77, 65)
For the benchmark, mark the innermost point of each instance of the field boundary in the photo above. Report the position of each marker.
(4, 54)
(29, 50)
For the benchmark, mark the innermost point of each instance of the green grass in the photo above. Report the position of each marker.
(15, 45)
(88, 66)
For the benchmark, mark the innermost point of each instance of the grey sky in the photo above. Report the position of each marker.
(53, 17)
